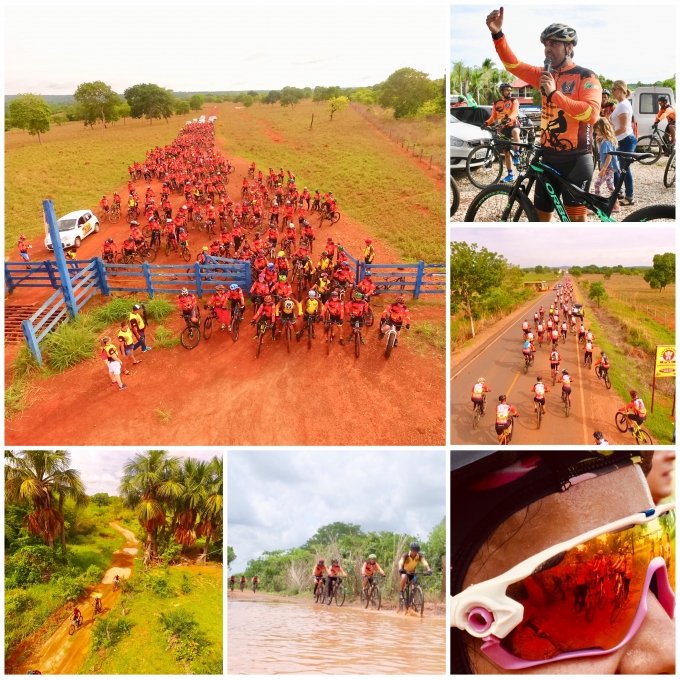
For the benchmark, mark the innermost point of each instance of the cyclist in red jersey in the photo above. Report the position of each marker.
(267, 310)
(571, 99)
(258, 290)
(357, 309)
(218, 302)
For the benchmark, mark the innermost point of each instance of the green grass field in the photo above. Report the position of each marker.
(373, 181)
(146, 650)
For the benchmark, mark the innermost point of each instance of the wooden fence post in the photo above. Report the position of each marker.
(146, 268)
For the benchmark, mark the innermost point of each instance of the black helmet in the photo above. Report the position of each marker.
(502, 398)
(504, 86)
(598, 435)
(559, 32)
(662, 98)
(415, 546)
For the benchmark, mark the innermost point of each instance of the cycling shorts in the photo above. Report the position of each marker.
(539, 400)
(566, 390)
(576, 169)
(500, 427)
(335, 318)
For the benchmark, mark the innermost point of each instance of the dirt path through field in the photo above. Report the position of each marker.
(62, 653)
(220, 394)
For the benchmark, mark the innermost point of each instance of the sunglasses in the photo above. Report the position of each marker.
(582, 597)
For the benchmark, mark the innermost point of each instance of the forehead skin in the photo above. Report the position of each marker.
(557, 518)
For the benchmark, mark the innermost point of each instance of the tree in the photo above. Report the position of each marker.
(290, 96)
(97, 101)
(43, 480)
(100, 499)
(123, 110)
(405, 91)
(337, 104)
(182, 106)
(597, 292)
(364, 95)
(662, 272)
(331, 533)
(31, 113)
(272, 97)
(196, 102)
(473, 273)
(149, 101)
(231, 556)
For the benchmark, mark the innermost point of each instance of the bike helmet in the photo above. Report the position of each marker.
(662, 98)
(280, 254)
(283, 277)
(324, 275)
(267, 298)
(399, 300)
(633, 394)
(324, 254)
(598, 435)
(305, 223)
(606, 92)
(311, 294)
(219, 288)
(321, 562)
(184, 291)
(539, 379)
(270, 265)
(481, 380)
(559, 32)
(368, 241)
(504, 86)
(334, 562)
(502, 398)
(205, 249)
(415, 546)
(372, 556)
(565, 371)
(134, 223)
(341, 249)
(358, 295)
(184, 207)
(334, 294)
(109, 240)
(233, 286)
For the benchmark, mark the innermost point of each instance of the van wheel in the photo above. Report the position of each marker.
(77, 242)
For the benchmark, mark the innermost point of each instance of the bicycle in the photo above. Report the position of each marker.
(528, 361)
(287, 329)
(191, 334)
(114, 213)
(478, 409)
(588, 361)
(336, 592)
(511, 202)
(505, 437)
(254, 586)
(553, 374)
(392, 335)
(75, 625)
(656, 144)
(208, 323)
(355, 336)
(540, 412)
(128, 258)
(326, 214)
(566, 402)
(669, 172)
(146, 252)
(603, 374)
(116, 585)
(242, 585)
(330, 334)
(236, 319)
(486, 161)
(262, 327)
(320, 591)
(412, 596)
(625, 424)
(370, 596)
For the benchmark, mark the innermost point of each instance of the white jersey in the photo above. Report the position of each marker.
(539, 389)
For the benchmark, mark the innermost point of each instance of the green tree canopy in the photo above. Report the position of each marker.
(337, 104)
(196, 102)
(182, 106)
(272, 97)
(149, 101)
(597, 292)
(231, 556)
(31, 113)
(97, 101)
(662, 272)
(290, 96)
(405, 91)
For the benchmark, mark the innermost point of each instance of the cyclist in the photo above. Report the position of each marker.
(408, 563)
(528, 350)
(255, 581)
(77, 616)
(368, 569)
(287, 310)
(505, 111)
(588, 353)
(395, 315)
(541, 311)
(129, 246)
(243, 582)
(539, 389)
(555, 359)
(525, 327)
(116, 580)
(571, 99)
(599, 438)
(258, 290)
(366, 285)
(540, 332)
(343, 277)
(334, 574)
(554, 337)
(312, 307)
(668, 112)
(581, 332)
(282, 288)
(267, 310)
(188, 306)
(566, 383)
(357, 308)
(104, 205)
(504, 414)
(479, 389)
(97, 604)
(602, 365)
(635, 409)
(333, 312)
(235, 297)
(232, 582)
(606, 106)
(563, 330)
(108, 250)
(218, 303)
(319, 574)
(281, 263)
(589, 335)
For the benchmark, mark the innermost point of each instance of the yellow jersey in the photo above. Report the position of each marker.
(410, 563)
(312, 306)
(126, 337)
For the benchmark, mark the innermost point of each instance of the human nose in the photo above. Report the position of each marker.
(652, 648)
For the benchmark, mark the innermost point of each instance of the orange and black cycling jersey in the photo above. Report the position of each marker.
(569, 113)
(667, 112)
(504, 111)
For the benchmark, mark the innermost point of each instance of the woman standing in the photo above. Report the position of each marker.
(622, 120)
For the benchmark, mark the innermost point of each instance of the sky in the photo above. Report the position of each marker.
(257, 45)
(553, 246)
(102, 469)
(607, 40)
(278, 499)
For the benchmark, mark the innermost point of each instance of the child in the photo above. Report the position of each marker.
(113, 362)
(606, 140)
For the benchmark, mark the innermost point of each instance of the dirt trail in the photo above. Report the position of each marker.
(227, 396)
(62, 653)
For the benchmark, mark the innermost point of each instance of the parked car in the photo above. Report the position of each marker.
(73, 228)
(532, 112)
(578, 310)
(463, 137)
(478, 115)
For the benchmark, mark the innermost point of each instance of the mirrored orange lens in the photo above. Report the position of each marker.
(587, 597)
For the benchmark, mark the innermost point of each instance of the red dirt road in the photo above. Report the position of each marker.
(220, 394)
(62, 653)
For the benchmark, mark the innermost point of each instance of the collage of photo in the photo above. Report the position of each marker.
(448, 450)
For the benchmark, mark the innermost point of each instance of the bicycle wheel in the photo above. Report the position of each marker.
(607, 381)
(539, 415)
(492, 205)
(391, 339)
(374, 598)
(150, 255)
(190, 337)
(484, 165)
(72, 629)
(567, 405)
(235, 325)
(335, 217)
(621, 421)
(357, 343)
(643, 437)
(260, 340)
(669, 172)
(417, 600)
(329, 340)
(455, 197)
(207, 327)
(340, 595)
(653, 213)
(318, 595)
(649, 144)
(185, 254)
(476, 417)
(309, 334)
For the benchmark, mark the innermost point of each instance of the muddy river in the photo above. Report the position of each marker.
(294, 637)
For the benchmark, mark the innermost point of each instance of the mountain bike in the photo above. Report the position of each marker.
(655, 144)
(191, 334)
(262, 327)
(478, 410)
(114, 213)
(326, 214)
(528, 361)
(116, 585)
(146, 252)
(75, 625)
(355, 336)
(486, 161)
(320, 591)
(553, 373)
(287, 330)
(625, 424)
(412, 596)
(370, 596)
(566, 402)
(208, 323)
(255, 585)
(505, 437)
(336, 592)
(603, 374)
(540, 412)
(242, 585)
(511, 202)
(669, 172)
(391, 337)
(308, 329)
(330, 334)
(236, 318)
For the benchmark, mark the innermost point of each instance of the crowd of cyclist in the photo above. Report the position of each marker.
(551, 327)
(266, 226)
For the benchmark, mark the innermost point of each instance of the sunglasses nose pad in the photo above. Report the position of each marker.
(480, 619)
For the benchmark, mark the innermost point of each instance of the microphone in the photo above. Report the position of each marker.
(547, 64)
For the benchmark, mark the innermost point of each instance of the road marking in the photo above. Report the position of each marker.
(512, 384)
(582, 390)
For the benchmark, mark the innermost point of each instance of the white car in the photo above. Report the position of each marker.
(463, 137)
(73, 228)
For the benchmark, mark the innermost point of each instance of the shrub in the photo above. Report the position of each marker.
(93, 574)
(165, 338)
(31, 564)
(70, 344)
(179, 622)
(186, 586)
(107, 632)
(158, 309)
(18, 603)
(212, 666)
(186, 639)
(69, 588)
(171, 554)
(158, 584)
(112, 313)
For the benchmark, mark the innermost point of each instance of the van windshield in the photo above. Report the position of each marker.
(67, 225)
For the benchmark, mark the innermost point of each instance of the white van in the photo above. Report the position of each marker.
(645, 106)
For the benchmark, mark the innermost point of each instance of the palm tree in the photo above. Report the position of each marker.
(195, 477)
(211, 520)
(148, 481)
(36, 477)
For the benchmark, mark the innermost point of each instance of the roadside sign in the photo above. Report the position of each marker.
(665, 361)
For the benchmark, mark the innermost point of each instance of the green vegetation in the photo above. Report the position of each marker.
(149, 101)
(662, 272)
(97, 102)
(31, 113)
(366, 172)
(289, 571)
